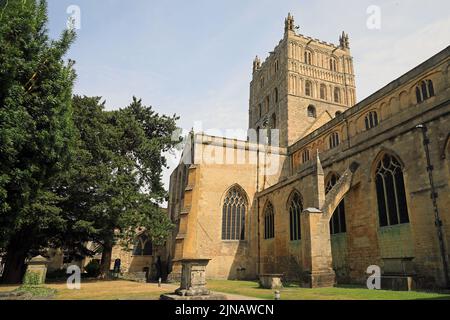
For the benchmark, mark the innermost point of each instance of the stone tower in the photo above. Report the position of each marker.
(301, 85)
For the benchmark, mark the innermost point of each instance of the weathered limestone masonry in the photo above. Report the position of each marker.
(351, 185)
(301, 72)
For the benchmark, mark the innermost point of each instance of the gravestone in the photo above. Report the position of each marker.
(36, 271)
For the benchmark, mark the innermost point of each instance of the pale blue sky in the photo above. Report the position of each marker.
(194, 58)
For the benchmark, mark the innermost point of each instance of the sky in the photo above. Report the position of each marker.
(194, 58)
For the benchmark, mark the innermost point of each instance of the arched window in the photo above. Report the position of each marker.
(269, 222)
(267, 103)
(418, 95)
(424, 90)
(276, 95)
(333, 64)
(233, 214)
(308, 57)
(391, 195)
(143, 246)
(260, 110)
(312, 111)
(430, 88)
(337, 95)
(371, 120)
(273, 125)
(337, 222)
(295, 210)
(323, 92)
(334, 140)
(305, 155)
(423, 86)
(273, 121)
(308, 88)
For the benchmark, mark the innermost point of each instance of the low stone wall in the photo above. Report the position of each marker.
(134, 276)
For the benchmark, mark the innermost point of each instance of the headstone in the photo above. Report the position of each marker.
(36, 271)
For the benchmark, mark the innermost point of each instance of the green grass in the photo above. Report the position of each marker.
(128, 290)
(294, 292)
(39, 292)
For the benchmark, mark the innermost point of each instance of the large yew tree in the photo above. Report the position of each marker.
(114, 186)
(36, 130)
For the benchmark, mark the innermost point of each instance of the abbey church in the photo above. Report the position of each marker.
(325, 186)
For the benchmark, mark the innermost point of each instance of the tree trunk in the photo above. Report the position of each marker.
(105, 265)
(14, 262)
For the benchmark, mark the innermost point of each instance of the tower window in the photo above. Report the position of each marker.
(391, 195)
(333, 64)
(295, 210)
(269, 222)
(371, 120)
(424, 90)
(323, 92)
(276, 95)
(333, 140)
(337, 95)
(273, 125)
(305, 156)
(308, 88)
(267, 103)
(312, 111)
(233, 215)
(308, 57)
(337, 222)
(260, 110)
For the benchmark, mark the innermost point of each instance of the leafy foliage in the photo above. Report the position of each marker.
(32, 278)
(70, 172)
(92, 269)
(37, 291)
(36, 129)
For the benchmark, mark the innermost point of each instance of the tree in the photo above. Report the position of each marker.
(36, 130)
(114, 187)
(141, 136)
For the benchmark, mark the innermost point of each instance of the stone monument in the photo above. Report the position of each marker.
(36, 271)
(193, 282)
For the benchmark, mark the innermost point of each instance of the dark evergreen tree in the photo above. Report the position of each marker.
(114, 187)
(36, 130)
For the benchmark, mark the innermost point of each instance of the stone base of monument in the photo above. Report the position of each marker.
(175, 297)
(193, 283)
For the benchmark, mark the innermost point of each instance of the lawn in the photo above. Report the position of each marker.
(294, 292)
(128, 290)
(107, 290)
